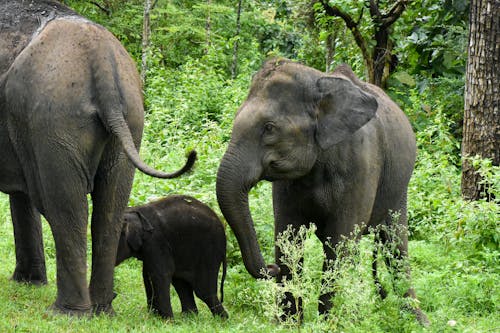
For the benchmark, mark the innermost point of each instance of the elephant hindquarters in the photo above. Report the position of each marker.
(60, 143)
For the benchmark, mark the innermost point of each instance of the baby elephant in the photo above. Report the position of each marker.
(180, 241)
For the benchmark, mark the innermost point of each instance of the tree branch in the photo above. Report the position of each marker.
(351, 24)
(395, 12)
(374, 10)
(101, 7)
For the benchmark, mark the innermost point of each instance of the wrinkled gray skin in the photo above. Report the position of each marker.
(339, 153)
(71, 120)
(180, 241)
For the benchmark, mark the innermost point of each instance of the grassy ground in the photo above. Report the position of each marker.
(458, 292)
(456, 295)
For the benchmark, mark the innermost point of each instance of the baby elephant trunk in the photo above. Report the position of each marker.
(131, 237)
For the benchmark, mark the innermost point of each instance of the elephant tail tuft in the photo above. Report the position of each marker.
(223, 278)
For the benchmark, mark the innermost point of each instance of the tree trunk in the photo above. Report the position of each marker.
(234, 65)
(378, 60)
(481, 131)
(331, 44)
(208, 27)
(146, 31)
(382, 54)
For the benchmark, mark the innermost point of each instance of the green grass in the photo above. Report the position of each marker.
(449, 287)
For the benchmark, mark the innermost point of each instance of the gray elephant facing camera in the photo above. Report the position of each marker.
(180, 241)
(339, 153)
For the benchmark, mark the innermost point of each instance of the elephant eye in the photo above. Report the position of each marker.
(269, 127)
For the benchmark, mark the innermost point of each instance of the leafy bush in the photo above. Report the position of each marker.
(436, 210)
(357, 307)
(436, 33)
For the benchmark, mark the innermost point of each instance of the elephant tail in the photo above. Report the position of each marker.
(134, 157)
(120, 128)
(113, 102)
(223, 278)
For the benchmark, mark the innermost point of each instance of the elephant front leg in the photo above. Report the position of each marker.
(287, 214)
(158, 291)
(186, 296)
(291, 304)
(325, 303)
(331, 233)
(30, 258)
(290, 272)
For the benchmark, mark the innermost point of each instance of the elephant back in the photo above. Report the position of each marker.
(19, 22)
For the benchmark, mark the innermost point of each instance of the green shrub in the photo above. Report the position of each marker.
(357, 306)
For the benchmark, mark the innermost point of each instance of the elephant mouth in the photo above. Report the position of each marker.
(283, 169)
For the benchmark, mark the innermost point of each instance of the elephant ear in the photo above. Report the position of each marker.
(343, 109)
(135, 237)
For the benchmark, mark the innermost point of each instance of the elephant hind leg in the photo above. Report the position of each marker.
(378, 285)
(69, 228)
(110, 194)
(58, 188)
(214, 305)
(30, 258)
(393, 237)
(205, 289)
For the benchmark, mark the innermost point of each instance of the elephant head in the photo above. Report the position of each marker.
(292, 115)
(135, 227)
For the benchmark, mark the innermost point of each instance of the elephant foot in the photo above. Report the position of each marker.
(292, 309)
(189, 312)
(421, 317)
(382, 292)
(413, 307)
(325, 304)
(163, 314)
(73, 311)
(218, 310)
(36, 278)
(99, 309)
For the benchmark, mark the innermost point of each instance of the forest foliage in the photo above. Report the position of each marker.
(191, 99)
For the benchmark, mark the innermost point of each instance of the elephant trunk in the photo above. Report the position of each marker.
(234, 180)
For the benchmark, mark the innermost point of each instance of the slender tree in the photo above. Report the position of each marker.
(146, 32)
(208, 27)
(332, 38)
(379, 58)
(234, 66)
(105, 8)
(481, 130)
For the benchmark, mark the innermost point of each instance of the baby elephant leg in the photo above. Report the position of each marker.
(158, 292)
(206, 289)
(186, 296)
(214, 305)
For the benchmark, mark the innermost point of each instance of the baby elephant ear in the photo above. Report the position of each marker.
(133, 227)
(343, 109)
(146, 225)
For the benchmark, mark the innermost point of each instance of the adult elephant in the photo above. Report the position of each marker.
(338, 151)
(71, 120)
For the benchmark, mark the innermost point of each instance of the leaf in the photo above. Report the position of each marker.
(405, 78)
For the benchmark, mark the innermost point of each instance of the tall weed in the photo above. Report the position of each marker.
(357, 307)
